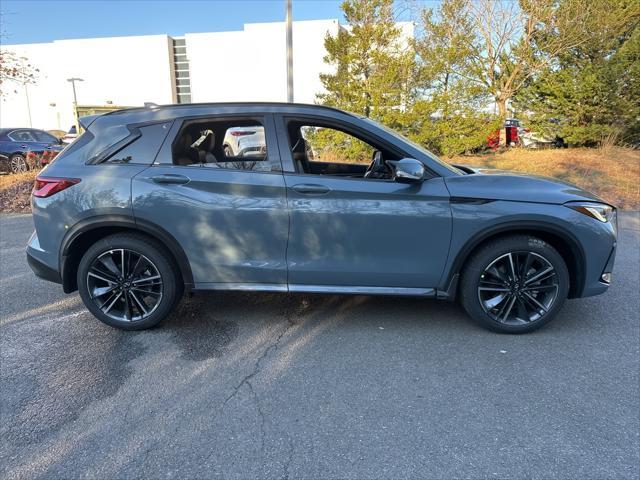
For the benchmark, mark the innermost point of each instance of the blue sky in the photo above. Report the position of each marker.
(33, 21)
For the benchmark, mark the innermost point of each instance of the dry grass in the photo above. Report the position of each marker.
(613, 173)
(15, 192)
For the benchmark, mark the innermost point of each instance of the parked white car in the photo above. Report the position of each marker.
(244, 142)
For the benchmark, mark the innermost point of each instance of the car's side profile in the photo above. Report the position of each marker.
(148, 203)
(17, 143)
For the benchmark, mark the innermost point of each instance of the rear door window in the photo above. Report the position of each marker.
(238, 143)
(22, 136)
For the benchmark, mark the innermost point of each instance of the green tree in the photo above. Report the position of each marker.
(447, 115)
(498, 42)
(592, 91)
(373, 63)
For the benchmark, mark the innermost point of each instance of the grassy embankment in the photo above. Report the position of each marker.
(611, 173)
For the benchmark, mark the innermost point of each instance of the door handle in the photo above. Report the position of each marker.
(23, 146)
(311, 189)
(170, 178)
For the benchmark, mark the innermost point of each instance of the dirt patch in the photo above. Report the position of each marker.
(15, 192)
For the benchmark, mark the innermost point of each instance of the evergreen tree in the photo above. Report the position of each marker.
(448, 115)
(591, 93)
(372, 62)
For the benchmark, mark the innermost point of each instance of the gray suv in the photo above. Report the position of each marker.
(148, 203)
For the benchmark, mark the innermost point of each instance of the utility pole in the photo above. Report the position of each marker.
(73, 81)
(26, 90)
(289, 25)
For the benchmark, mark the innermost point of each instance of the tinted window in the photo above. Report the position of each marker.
(44, 137)
(21, 136)
(144, 148)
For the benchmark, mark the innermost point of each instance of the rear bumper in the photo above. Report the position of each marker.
(41, 261)
(43, 271)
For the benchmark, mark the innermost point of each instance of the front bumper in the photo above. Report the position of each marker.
(599, 264)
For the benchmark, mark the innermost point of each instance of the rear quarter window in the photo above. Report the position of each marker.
(141, 146)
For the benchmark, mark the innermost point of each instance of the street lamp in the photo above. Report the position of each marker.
(26, 90)
(73, 81)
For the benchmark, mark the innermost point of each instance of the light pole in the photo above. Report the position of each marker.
(73, 81)
(26, 91)
(289, 26)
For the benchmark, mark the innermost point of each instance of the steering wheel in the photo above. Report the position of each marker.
(377, 167)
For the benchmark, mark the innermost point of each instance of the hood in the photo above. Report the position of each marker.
(490, 184)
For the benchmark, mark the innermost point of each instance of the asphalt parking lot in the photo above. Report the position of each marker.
(282, 386)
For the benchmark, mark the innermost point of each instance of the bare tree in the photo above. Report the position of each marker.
(513, 41)
(14, 69)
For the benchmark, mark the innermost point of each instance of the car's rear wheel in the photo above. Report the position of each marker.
(128, 281)
(514, 284)
(18, 163)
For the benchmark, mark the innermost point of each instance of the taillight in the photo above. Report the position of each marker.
(241, 133)
(44, 187)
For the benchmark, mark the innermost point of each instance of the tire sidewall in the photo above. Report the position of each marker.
(171, 285)
(486, 255)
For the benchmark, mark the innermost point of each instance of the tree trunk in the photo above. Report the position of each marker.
(502, 107)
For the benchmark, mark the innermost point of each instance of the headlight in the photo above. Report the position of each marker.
(599, 211)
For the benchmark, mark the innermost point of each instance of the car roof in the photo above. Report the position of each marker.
(186, 109)
(9, 130)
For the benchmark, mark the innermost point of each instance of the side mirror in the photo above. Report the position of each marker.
(407, 170)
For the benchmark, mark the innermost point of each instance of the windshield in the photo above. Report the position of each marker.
(404, 139)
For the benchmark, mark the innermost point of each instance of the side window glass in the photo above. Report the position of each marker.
(22, 136)
(44, 137)
(226, 144)
(144, 148)
(334, 146)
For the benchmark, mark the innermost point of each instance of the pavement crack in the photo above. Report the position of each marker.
(289, 459)
(288, 315)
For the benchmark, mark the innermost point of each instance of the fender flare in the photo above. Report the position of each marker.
(125, 222)
(514, 226)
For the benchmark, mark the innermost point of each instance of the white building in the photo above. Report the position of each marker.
(247, 65)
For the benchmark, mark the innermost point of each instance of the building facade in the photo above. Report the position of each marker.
(247, 65)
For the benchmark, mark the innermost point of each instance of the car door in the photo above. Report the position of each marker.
(23, 141)
(45, 140)
(369, 235)
(228, 214)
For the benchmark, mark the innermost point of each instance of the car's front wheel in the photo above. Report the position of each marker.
(128, 281)
(514, 284)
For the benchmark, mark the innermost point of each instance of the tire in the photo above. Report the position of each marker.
(228, 151)
(18, 163)
(148, 292)
(488, 288)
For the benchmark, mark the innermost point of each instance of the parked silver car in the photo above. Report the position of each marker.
(146, 204)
